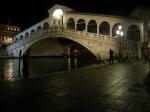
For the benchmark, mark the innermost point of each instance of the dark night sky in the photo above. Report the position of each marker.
(28, 12)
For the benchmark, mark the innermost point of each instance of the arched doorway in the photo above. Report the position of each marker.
(39, 28)
(27, 35)
(32, 32)
(81, 25)
(115, 28)
(71, 24)
(45, 26)
(16, 40)
(21, 37)
(104, 28)
(133, 33)
(92, 26)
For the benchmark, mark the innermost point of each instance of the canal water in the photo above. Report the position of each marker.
(39, 67)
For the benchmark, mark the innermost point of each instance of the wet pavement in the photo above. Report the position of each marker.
(120, 87)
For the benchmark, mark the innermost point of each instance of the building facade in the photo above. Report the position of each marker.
(96, 32)
(144, 14)
(7, 34)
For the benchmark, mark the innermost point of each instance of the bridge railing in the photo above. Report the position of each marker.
(70, 34)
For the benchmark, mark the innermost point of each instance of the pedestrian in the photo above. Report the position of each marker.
(111, 56)
(147, 81)
(25, 68)
(145, 52)
(149, 58)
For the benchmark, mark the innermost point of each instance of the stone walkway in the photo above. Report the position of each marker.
(105, 88)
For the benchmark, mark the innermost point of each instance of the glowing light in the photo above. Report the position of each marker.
(120, 27)
(121, 33)
(10, 39)
(117, 32)
(58, 13)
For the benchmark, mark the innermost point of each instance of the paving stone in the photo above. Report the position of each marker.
(115, 88)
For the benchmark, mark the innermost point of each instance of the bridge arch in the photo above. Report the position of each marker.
(104, 28)
(115, 28)
(71, 24)
(65, 37)
(81, 25)
(133, 33)
(92, 26)
(46, 25)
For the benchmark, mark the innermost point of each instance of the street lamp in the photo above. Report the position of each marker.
(120, 34)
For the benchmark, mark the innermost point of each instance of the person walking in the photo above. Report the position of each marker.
(148, 58)
(25, 69)
(111, 56)
(145, 51)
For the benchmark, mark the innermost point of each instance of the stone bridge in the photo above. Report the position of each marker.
(97, 33)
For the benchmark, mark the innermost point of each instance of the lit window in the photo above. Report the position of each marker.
(14, 29)
(18, 30)
(8, 28)
(10, 39)
(11, 28)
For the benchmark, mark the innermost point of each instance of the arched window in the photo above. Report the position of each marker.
(81, 25)
(115, 28)
(104, 28)
(21, 37)
(133, 33)
(16, 40)
(27, 35)
(32, 32)
(39, 28)
(71, 24)
(92, 26)
(45, 26)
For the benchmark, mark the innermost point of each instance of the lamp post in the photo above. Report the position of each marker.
(120, 34)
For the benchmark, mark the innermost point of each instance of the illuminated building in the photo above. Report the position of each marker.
(7, 33)
(144, 14)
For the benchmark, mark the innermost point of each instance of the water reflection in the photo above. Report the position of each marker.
(72, 63)
(8, 71)
(39, 67)
(69, 64)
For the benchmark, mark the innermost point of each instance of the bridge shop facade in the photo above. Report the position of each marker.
(96, 32)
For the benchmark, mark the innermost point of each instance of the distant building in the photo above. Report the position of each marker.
(7, 34)
(144, 14)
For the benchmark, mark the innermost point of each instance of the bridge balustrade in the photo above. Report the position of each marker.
(73, 34)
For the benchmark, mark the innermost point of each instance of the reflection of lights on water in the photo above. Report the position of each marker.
(72, 63)
(69, 64)
(75, 63)
(8, 72)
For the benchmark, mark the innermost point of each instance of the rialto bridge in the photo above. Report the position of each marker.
(95, 32)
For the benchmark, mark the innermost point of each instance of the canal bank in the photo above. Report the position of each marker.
(108, 88)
